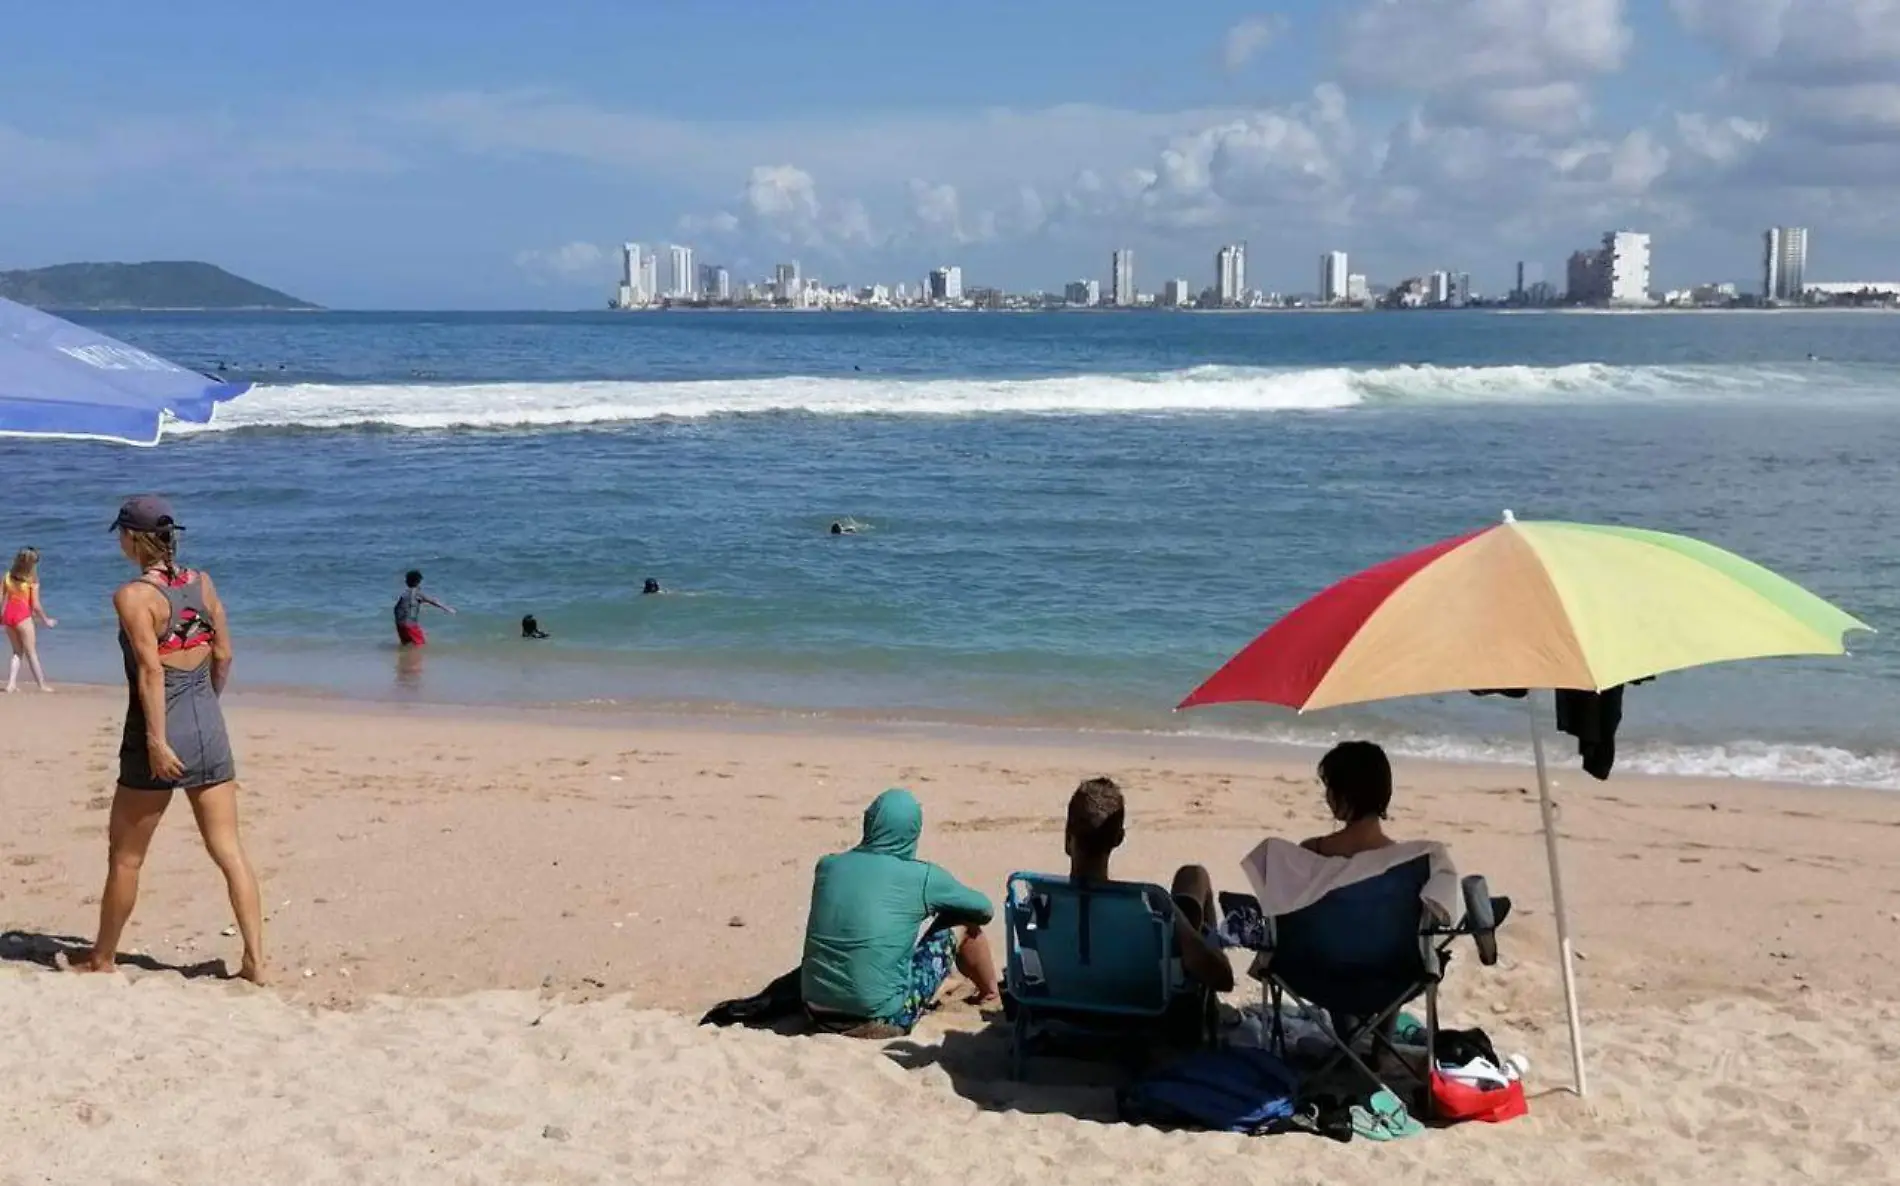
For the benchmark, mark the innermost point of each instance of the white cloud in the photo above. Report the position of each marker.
(569, 263)
(1489, 63)
(1248, 38)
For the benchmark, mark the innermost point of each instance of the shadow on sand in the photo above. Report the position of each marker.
(45, 950)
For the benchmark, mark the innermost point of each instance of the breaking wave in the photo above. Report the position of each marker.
(1196, 390)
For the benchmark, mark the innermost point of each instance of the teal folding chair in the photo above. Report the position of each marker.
(1083, 959)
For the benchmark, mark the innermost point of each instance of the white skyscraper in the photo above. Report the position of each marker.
(1332, 277)
(1357, 290)
(1438, 288)
(946, 284)
(1121, 285)
(1230, 274)
(649, 286)
(785, 282)
(1784, 265)
(715, 283)
(1177, 295)
(683, 284)
(633, 287)
(1625, 263)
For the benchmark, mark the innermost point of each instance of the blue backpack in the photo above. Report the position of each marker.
(1241, 1090)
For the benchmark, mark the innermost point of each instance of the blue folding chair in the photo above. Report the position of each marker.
(1362, 953)
(1093, 958)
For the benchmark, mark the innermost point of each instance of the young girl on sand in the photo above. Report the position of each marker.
(21, 613)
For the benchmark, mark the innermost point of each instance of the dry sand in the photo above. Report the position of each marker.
(490, 933)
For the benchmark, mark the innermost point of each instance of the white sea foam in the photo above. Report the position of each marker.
(1201, 389)
(1751, 761)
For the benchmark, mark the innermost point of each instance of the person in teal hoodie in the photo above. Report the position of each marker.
(885, 928)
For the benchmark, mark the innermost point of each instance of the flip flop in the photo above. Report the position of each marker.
(1384, 1118)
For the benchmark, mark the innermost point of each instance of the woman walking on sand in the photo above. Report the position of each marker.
(177, 648)
(21, 613)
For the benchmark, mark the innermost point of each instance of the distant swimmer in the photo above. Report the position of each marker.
(844, 527)
(531, 628)
(651, 587)
(1812, 357)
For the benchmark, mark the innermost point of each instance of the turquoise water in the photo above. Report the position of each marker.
(1071, 518)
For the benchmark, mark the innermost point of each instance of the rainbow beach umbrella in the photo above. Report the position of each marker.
(1536, 605)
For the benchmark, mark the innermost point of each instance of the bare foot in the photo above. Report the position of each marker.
(84, 962)
(252, 970)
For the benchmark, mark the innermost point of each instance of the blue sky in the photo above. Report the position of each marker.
(483, 155)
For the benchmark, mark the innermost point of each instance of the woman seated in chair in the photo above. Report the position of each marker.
(1358, 781)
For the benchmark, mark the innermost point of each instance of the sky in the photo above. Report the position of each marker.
(487, 154)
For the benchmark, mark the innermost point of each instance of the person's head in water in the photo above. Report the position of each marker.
(1358, 781)
(837, 528)
(531, 628)
(413, 578)
(652, 586)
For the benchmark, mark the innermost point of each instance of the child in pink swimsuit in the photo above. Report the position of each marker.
(20, 613)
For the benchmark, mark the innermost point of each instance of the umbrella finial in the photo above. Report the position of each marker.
(1510, 516)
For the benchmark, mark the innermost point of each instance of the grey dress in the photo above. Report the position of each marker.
(194, 722)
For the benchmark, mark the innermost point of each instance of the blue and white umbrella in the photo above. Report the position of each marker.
(58, 379)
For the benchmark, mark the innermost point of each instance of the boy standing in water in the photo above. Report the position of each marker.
(409, 611)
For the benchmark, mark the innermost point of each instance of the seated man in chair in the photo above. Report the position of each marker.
(1096, 826)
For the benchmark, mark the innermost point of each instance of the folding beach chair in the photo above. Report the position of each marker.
(1360, 954)
(1094, 959)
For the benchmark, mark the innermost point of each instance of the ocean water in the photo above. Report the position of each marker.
(1070, 518)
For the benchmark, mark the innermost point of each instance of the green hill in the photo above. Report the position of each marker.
(161, 285)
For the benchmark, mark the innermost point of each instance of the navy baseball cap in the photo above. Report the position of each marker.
(145, 512)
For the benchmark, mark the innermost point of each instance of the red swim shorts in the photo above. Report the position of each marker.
(410, 634)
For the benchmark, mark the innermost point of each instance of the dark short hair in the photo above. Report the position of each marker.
(1097, 817)
(1358, 780)
(413, 579)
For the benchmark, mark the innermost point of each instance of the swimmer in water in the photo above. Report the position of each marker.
(531, 628)
(651, 587)
(840, 528)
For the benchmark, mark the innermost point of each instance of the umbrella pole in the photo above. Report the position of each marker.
(1564, 952)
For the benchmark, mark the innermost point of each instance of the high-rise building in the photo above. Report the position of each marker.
(1121, 286)
(715, 283)
(1461, 289)
(1616, 273)
(649, 287)
(1625, 257)
(682, 284)
(1230, 274)
(1784, 265)
(1332, 277)
(633, 292)
(1083, 292)
(785, 282)
(946, 284)
(1358, 292)
(1177, 294)
(1438, 288)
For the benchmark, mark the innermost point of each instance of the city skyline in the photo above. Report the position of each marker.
(478, 155)
(1615, 272)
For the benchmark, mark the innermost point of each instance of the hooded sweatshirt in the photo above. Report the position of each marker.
(868, 907)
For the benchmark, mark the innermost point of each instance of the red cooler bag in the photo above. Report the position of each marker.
(1454, 1102)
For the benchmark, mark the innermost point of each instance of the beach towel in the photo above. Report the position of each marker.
(1287, 878)
(778, 1000)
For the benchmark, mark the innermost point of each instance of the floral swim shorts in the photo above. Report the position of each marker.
(930, 964)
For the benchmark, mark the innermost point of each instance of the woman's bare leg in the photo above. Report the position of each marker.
(135, 816)
(13, 663)
(215, 809)
(30, 647)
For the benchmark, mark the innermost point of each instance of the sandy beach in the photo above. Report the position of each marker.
(491, 931)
